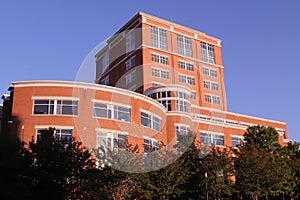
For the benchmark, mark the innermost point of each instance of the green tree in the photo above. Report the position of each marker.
(262, 168)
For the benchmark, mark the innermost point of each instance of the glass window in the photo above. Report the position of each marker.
(130, 63)
(167, 104)
(180, 105)
(150, 121)
(208, 52)
(130, 77)
(105, 81)
(159, 38)
(113, 141)
(43, 107)
(210, 72)
(160, 73)
(181, 130)
(121, 113)
(150, 145)
(66, 107)
(184, 45)
(130, 41)
(55, 107)
(102, 110)
(65, 135)
(214, 139)
(208, 98)
(235, 141)
(186, 66)
(193, 95)
(105, 62)
(160, 59)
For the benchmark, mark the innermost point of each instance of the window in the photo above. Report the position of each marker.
(114, 141)
(212, 99)
(184, 45)
(111, 112)
(130, 77)
(105, 81)
(185, 66)
(180, 95)
(55, 107)
(214, 139)
(167, 104)
(43, 107)
(150, 145)
(163, 94)
(150, 121)
(65, 135)
(160, 73)
(180, 105)
(130, 41)
(193, 95)
(105, 62)
(235, 141)
(160, 59)
(186, 79)
(130, 63)
(208, 52)
(181, 130)
(211, 85)
(210, 72)
(159, 38)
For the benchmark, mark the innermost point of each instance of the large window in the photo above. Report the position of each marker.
(150, 121)
(167, 104)
(130, 41)
(160, 73)
(212, 99)
(211, 85)
(130, 77)
(108, 111)
(160, 59)
(181, 130)
(55, 107)
(114, 141)
(130, 63)
(150, 145)
(235, 141)
(159, 38)
(105, 62)
(193, 95)
(185, 66)
(64, 135)
(181, 105)
(210, 72)
(208, 52)
(184, 45)
(186, 79)
(214, 139)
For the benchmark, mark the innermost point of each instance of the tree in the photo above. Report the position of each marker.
(58, 166)
(15, 161)
(262, 168)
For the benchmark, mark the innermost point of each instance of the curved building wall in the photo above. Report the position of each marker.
(88, 109)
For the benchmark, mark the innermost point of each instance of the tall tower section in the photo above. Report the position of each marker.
(178, 66)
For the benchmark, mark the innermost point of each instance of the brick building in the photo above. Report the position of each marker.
(154, 79)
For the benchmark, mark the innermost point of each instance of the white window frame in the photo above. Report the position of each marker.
(208, 52)
(159, 58)
(111, 139)
(160, 73)
(56, 107)
(159, 38)
(152, 121)
(210, 85)
(213, 99)
(130, 41)
(130, 77)
(184, 45)
(112, 111)
(209, 72)
(181, 105)
(130, 63)
(212, 138)
(185, 65)
(105, 62)
(186, 79)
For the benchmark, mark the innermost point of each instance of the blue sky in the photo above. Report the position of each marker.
(261, 40)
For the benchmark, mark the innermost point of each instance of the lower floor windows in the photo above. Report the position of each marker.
(235, 141)
(180, 105)
(150, 145)
(181, 130)
(167, 104)
(212, 99)
(214, 139)
(113, 141)
(112, 112)
(64, 135)
(150, 121)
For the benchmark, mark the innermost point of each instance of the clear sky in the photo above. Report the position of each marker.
(261, 41)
